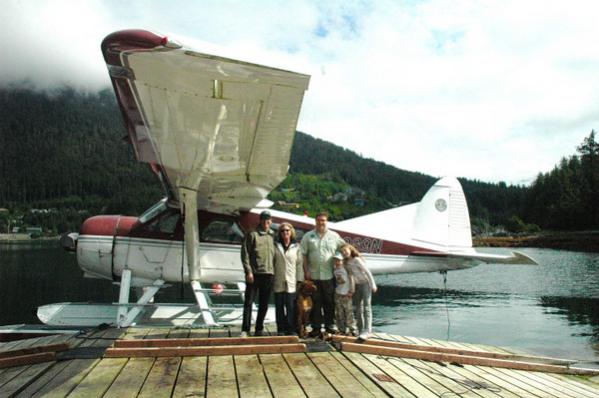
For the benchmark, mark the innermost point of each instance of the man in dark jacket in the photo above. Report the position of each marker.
(257, 254)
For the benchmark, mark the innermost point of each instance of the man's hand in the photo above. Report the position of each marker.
(374, 289)
(249, 278)
(307, 275)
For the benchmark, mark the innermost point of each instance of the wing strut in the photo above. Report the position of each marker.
(189, 208)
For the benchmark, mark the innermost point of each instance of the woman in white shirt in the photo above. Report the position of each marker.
(288, 269)
(365, 286)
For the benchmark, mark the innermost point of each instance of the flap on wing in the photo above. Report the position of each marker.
(218, 126)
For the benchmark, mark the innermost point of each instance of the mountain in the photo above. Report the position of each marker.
(65, 151)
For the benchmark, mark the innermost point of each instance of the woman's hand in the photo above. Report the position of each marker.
(374, 289)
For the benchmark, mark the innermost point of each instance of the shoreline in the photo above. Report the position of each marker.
(19, 238)
(581, 241)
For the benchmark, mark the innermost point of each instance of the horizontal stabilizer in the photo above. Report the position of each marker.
(512, 258)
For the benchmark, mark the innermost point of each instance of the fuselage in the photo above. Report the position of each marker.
(152, 246)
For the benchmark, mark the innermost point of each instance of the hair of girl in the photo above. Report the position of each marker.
(352, 250)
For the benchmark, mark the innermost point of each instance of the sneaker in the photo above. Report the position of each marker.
(332, 330)
(363, 336)
(258, 333)
(243, 334)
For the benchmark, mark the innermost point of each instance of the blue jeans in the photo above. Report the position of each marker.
(363, 307)
(285, 312)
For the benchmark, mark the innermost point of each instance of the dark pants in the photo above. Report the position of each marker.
(323, 301)
(285, 311)
(263, 286)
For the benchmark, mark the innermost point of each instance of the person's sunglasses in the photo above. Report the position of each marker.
(285, 230)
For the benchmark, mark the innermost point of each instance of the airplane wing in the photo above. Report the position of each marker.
(217, 127)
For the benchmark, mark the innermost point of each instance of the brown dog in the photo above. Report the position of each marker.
(304, 306)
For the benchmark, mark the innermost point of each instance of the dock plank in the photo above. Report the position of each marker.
(158, 333)
(14, 345)
(281, 380)
(572, 382)
(11, 373)
(130, 379)
(68, 378)
(412, 379)
(108, 337)
(484, 383)
(501, 382)
(357, 374)
(134, 333)
(462, 383)
(161, 378)
(199, 333)
(393, 388)
(312, 381)
(178, 333)
(529, 378)
(341, 380)
(43, 379)
(191, 381)
(24, 379)
(524, 384)
(221, 377)
(97, 382)
(235, 330)
(444, 376)
(250, 377)
(219, 332)
(89, 339)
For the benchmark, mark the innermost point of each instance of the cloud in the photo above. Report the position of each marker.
(493, 90)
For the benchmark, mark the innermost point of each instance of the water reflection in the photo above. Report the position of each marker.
(578, 311)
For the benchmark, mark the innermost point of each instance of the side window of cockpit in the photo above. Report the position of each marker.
(222, 232)
(165, 224)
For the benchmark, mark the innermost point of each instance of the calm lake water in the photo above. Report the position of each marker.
(551, 309)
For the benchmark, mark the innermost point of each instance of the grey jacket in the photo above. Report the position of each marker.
(257, 252)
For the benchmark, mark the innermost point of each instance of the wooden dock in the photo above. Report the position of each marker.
(85, 371)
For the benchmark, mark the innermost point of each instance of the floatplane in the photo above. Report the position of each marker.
(217, 133)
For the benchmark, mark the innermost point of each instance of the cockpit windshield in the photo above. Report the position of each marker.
(153, 211)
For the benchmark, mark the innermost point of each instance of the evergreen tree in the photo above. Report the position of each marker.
(589, 158)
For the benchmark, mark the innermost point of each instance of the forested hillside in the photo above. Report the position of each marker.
(567, 197)
(66, 155)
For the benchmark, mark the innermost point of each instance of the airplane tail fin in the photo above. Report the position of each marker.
(442, 217)
(440, 221)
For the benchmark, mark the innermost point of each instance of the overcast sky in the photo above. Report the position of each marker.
(489, 90)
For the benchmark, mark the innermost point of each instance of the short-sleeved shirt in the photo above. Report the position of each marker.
(320, 252)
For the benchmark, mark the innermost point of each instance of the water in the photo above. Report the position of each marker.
(551, 309)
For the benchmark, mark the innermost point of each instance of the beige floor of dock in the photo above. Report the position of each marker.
(315, 374)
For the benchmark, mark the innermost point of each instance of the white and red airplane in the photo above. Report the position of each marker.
(218, 134)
